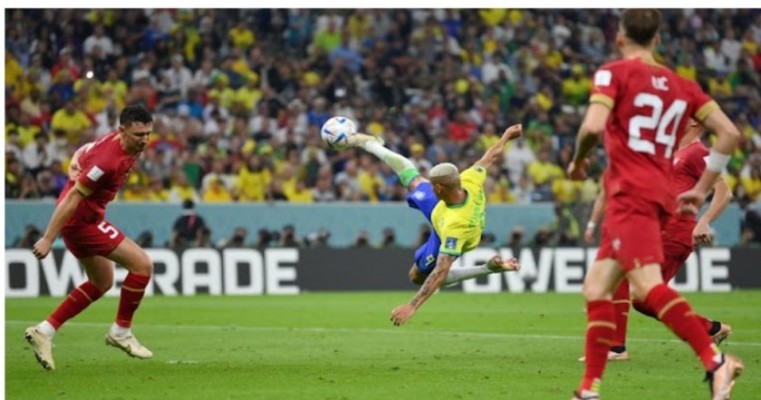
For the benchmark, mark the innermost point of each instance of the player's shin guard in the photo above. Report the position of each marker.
(79, 298)
(601, 330)
(621, 302)
(132, 292)
(674, 311)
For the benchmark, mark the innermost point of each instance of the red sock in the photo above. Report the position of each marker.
(601, 330)
(642, 308)
(79, 298)
(133, 290)
(705, 322)
(677, 314)
(621, 302)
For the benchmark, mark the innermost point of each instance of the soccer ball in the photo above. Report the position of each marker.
(335, 132)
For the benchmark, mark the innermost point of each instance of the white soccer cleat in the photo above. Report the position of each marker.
(612, 356)
(723, 378)
(42, 346)
(497, 264)
(129, 344)
(586, 395)
(359, 139)
(722, 334)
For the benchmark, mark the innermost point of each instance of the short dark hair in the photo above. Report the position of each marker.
(132, 114)
(641, 24)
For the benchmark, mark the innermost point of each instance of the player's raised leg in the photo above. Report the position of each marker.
(100, 278)
(401, 165)
(132, 257)
(675, 312)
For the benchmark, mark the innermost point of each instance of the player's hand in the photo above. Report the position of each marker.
(513, 132)
(402, 313)
(589, 236)
(74, 171)
(690, 202)
(577, 170)
(42, 248)
(702, 234)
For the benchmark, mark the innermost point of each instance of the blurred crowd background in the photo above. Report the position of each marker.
(239, 96)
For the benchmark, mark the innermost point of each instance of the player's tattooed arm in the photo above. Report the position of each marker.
(434, 280)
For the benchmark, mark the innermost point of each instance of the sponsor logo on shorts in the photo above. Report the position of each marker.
(95, 174)
(430, 260)
(418, 195)
(616, 244)
(450, 243)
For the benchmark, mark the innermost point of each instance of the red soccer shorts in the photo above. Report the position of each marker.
(87, 240)
(631, 233)
(675, 254)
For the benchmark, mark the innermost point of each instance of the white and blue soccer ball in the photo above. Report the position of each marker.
(336, 131)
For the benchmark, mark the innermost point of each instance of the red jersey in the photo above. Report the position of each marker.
(104, 167)
(689, 164)
(650, 106)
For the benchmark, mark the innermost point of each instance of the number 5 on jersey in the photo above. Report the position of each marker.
(108, 230)
(657, 120)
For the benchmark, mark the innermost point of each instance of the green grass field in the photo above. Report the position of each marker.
(342, 346)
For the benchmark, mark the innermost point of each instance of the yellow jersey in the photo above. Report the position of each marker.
(460, 226)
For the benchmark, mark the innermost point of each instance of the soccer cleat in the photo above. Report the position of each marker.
(129, 344)
(496, 264)
(585, 395)
(359, 139)
(722, 379)
(42, 346)
(722, 334)
(612, 356)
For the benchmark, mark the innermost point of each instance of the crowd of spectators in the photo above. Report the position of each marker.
(239, 95)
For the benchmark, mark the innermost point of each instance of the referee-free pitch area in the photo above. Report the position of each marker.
(342, 346)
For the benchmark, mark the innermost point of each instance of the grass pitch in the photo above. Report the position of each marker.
(342, 346)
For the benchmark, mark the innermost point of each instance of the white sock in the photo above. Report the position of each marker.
(46, 328)
(460, 274)
(397, 162)
(119, 331)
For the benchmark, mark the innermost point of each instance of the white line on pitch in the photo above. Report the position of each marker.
(494, 335)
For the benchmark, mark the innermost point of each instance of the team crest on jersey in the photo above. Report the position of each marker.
(603, 78)
(450, 243)
(95, 174)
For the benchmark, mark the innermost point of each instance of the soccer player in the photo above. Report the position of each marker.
(681, 234)
(642, 108)
(99, 169)
(454, 203)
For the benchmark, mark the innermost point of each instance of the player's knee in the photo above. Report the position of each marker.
(143, 265)
(416, 277)
(593, 291)
(103, 283)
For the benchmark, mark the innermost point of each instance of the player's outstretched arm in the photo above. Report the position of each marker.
(597, 210)
(495, 151)
(725, 145)
(63, 211)
(590, 131)
(432, 283)
(721, 198)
